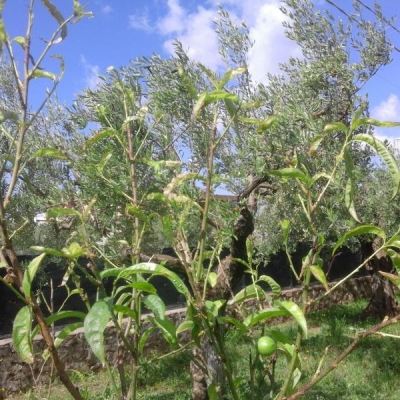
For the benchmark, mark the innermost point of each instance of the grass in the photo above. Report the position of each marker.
(372, 371)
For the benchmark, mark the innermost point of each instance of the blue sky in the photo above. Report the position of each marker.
(122, 30)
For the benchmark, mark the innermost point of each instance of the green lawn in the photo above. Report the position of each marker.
(372, 371)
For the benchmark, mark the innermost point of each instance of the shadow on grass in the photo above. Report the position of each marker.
(166, 379)
(371, 371)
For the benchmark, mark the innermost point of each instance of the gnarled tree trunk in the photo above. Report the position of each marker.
(207, 367)
(383, 302)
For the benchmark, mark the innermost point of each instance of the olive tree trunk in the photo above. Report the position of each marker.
(207, 366)
(383, 302)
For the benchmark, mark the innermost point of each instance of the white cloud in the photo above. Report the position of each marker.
(271, 46)
(388, 110)
(141, 22)
(196, 30)
(175, 21)
(196, 33)
(107, 9)
(91, 73)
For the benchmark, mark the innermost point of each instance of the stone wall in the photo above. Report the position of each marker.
(16, 375)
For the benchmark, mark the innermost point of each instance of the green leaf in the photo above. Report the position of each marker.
(295, 379)
(318, 176)
(3, 34)
(294, 310)
(159, 164)
(136, 212)
(74, 251)
(56, 212)
(180, 180)
(278, 336)
(54, 153)
(125, 298)
(105, 133)
(200, 104)
(21, 334)
(230, 320)
(125, 310)
(393, 242)
(94, 325)
(382, 124)
(275, 287)
(356, 119)
(258, 316)
(29, 274)
(315, 144)
(62, 65)
(212, 393)
(155, 304)
(335, 126)
(78, 9)
(155, 269)
(249, 292)
(214, 306)
(111, 272)
(249, 251)
(395, 279)
(212, 279)
(229, 75)
(20, 40)
(104, 160)
(252, 104)
(167, 227)
(266, 124)
(143, 338)
(66, 331)
(207, 98)
(63, 315)
(39, 73)
(58, 17)
(293, 173)
(350, 186)
(143, 286)
(167, 329)
(247, 120)
(46, 250)
(189, 85)
(232, 109)
(285, 225)
(319, 274)
(211, 75)
(185, 326)
(357, 231)
(385, 154)
(395, 257)
(86, 211)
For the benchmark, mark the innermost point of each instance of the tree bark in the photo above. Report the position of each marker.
(207, 366)
(383, 302)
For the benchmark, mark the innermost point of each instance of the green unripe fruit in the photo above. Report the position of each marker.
(266, 346)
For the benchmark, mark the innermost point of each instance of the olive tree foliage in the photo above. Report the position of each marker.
(120, 102)
(46, 179)
(320, 86)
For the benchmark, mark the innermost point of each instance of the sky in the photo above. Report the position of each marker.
(122, 30)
